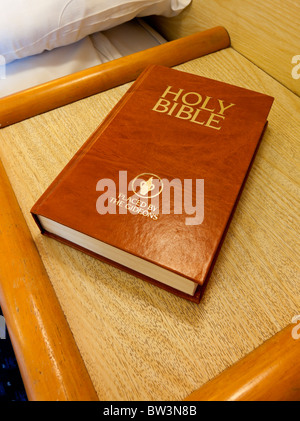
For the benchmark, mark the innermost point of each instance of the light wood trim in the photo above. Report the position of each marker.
(62, 91)
(269, 373)
(31, 310)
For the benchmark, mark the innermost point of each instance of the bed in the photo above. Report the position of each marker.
(84, 331)
(93, 50)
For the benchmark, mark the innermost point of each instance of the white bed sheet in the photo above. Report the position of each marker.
(95, 49)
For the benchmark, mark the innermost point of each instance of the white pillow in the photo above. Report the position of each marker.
(29, 27)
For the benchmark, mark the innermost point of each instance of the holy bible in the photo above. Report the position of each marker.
(153, 189)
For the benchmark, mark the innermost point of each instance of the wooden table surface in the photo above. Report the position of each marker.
(139, 342)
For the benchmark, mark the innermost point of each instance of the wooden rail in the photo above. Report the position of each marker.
(269, 373)
(31, 310)
(62, 91)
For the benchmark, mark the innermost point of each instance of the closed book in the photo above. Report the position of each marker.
(153, 189)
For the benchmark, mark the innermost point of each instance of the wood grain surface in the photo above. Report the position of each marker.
(137, 341)
(265, 32)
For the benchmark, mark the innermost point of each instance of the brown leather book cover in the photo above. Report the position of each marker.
(153, 189)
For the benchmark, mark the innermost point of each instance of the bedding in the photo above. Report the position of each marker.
(98, 48)
(33, 26)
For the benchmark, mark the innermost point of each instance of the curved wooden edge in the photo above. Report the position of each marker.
(50, 363)
(269, 373)
(62, 91)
